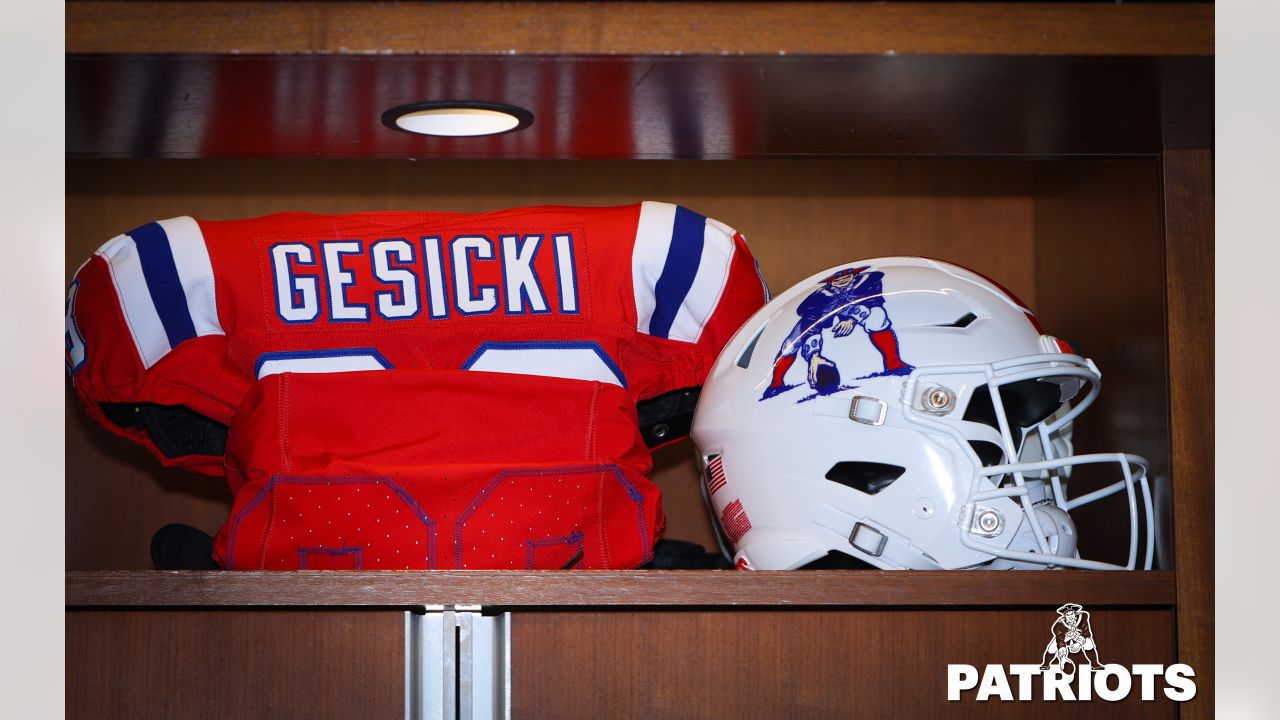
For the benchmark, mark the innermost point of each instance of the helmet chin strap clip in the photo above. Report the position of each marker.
(868, 410)
(868, 539)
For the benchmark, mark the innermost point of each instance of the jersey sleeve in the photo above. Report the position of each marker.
(694, 282)
(145, 346)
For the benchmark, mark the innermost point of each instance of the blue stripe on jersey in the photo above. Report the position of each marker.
(679, 270)
(163, 283)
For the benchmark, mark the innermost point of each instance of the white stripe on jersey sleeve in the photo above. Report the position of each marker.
(708, 284)
(649, 256)
(149, 336)
(191, 257)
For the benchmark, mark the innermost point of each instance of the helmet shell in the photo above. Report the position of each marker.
(799, 476)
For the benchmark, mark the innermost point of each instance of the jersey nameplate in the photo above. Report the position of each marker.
(400, 279)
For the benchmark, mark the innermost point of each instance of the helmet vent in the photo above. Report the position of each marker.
(963, 321)
(866, 477)
(744, 360)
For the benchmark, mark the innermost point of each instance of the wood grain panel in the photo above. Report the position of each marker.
(639, 28)
(1189, 248)
(799, 216)
(1100, 284)
(630, 107)
(797, 664)
(235, 664)
(704, 588)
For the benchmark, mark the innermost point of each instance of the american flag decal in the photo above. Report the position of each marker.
(735, 522)
(715, 475)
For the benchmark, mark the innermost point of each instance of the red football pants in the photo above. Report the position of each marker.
(417, 469)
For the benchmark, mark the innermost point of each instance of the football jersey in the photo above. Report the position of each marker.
(424, 469)
(189, 314)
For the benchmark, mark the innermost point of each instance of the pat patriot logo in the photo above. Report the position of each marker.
(1071, 634)
(1071, 670)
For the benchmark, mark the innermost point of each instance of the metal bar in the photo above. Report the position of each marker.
(425, 672)
(457, 664)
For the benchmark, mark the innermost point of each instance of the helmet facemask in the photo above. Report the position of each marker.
(1016, 395)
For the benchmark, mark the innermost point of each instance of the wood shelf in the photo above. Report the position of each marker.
(640, 28)
(619, 588)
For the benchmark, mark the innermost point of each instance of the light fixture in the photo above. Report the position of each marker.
(448, 118)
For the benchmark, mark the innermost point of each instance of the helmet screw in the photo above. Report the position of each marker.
(988, 521)
(939, 398)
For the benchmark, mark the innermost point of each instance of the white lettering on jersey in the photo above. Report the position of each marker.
(387, 304)
(436, 302)
(297, 296)
(518, 277)
(464, 246)
(339, 279)
(577, 360)
(320, 361)
(566, 274)
(394, 264)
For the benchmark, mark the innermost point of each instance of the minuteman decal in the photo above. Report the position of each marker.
(847, 300)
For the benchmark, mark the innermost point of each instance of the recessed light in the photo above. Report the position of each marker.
(457, 118)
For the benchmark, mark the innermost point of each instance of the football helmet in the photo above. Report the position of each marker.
(908, 413)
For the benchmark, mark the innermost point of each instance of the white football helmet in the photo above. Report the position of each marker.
(908, 413)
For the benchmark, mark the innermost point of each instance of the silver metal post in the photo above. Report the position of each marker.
(457, 664)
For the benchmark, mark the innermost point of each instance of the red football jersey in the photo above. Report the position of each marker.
(422, 469)
(192, 313)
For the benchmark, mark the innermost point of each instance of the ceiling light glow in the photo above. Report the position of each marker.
(457, 119)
